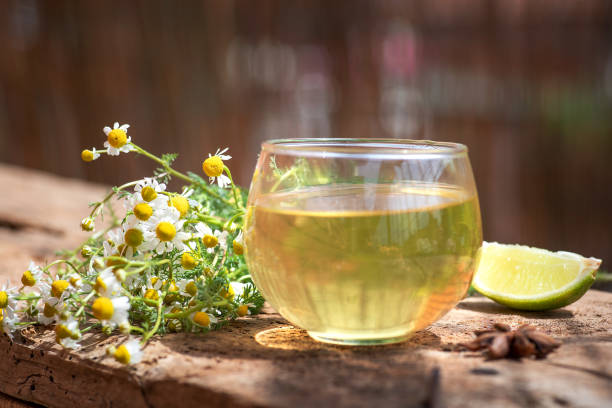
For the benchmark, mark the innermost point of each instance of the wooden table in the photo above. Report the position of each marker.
(263, 361)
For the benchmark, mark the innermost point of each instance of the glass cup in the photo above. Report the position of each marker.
(362, 241)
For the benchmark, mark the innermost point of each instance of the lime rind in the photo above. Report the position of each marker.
(561, 297)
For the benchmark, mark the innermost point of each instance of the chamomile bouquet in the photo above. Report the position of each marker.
(165, 262)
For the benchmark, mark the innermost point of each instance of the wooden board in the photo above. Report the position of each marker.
(263, 361)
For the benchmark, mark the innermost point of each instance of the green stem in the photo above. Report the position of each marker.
(137, 329)
(26, 297)
(178, 174)
(209, 219)
(197, 307)
(234, 217)
(157, 322)
(84, 302)
(60, 261)
(282, 178)
(236, 199)
(149, 302)
(108, 196)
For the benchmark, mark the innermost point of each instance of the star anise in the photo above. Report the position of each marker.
(501, 341)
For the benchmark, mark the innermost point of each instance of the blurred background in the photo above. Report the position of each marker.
(525, 84)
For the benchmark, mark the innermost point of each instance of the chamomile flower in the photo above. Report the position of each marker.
(67, 333)
(211, 238)
(203, 319)
(244, 309)
(32, 275)
(111, 312)
(49, 310)
(7, 301)
(152, 289)
(180, 202)
(7, 322)
(77, 282)
(7, 309)
(148, 189)
(131, 235)
(107, 283)
(237, 288)
(118, 140)
(188, 260)
(127, 353)
(89, 155)
(163, 232)
(88, 224)
(238, 244)
(213, 167)
(187, 287)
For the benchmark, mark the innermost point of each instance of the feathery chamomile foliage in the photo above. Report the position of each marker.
(170, 262)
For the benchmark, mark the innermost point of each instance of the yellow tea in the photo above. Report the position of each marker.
(350, 263)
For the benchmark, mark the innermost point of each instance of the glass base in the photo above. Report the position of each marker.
(351, 341)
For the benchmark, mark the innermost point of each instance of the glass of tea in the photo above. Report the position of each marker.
(362, 241)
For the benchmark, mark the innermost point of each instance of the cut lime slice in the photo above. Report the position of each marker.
(528, 278)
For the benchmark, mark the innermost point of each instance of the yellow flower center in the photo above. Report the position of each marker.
(172, 295)
(87, 155)
(188, 261)
(117, 138)
(210, 241)
(165, 231)
(173, 287)
(87, 224)
(27, 279)
(143, 211)
(62, 332)
(49, 311)
(238, 248)
(242, 310)
(102, 308)
(180, 203)
(151, 294)
(148, 193)
(229, 293)
(202, 319)
(1, 315)
(75, 281)
(191, 288)
(3, 299)
(58, 287)
(122, 355)
(213, 166)
(133, 237)
(154, 280)
(100, 285)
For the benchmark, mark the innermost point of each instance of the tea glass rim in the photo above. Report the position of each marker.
(383, 148)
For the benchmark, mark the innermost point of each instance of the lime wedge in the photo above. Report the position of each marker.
(528, 278)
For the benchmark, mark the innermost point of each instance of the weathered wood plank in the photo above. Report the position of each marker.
(262, 361)
(10, 402)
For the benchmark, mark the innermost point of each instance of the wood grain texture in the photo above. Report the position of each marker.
(263, 361)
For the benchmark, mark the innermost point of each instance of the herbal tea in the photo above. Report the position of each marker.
(356, 262)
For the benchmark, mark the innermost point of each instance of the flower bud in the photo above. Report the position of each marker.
(87, 224)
